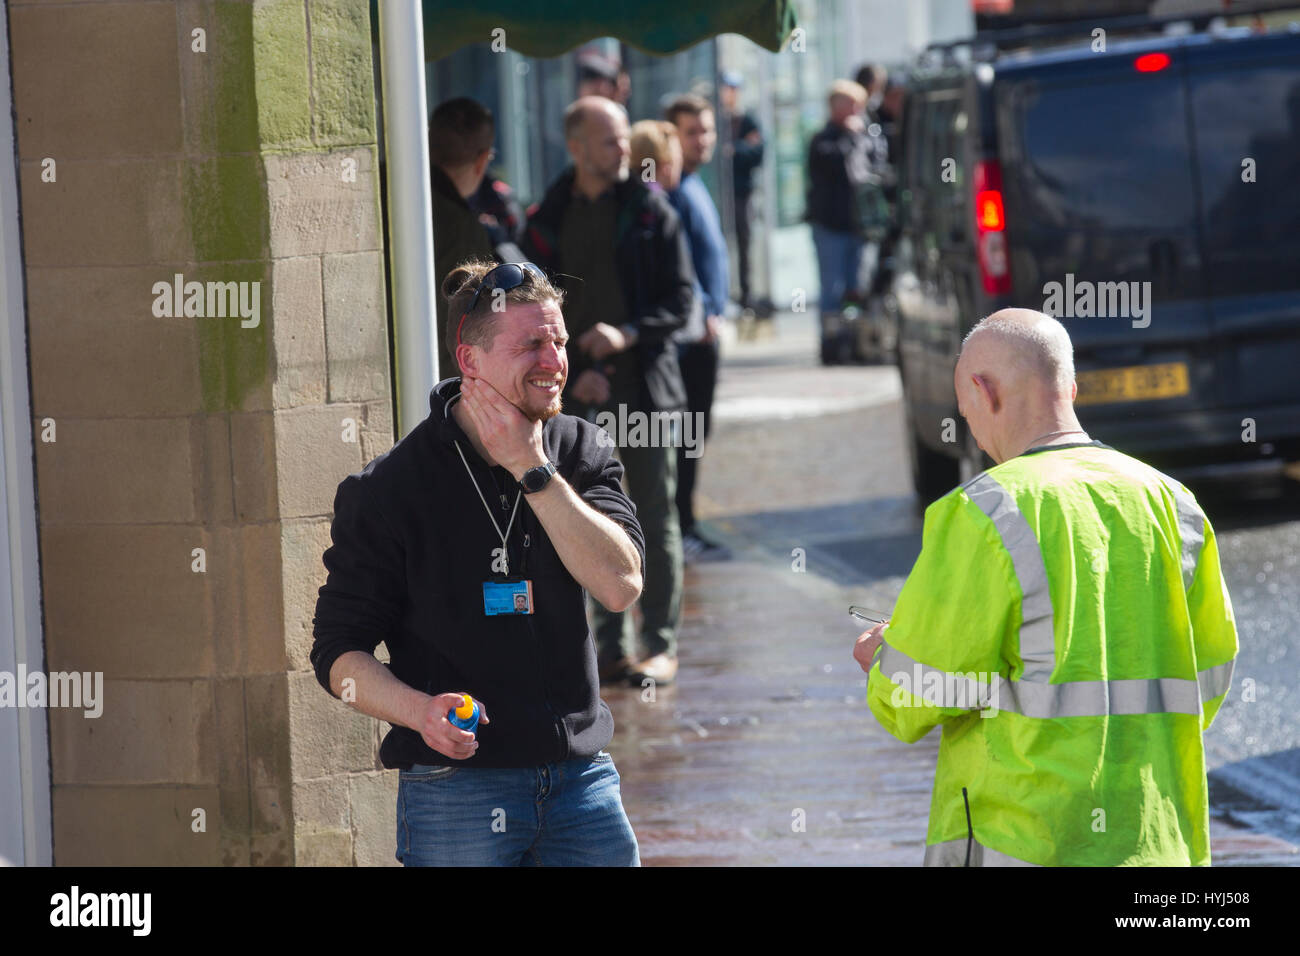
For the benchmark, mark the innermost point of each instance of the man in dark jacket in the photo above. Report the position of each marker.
(501, 215)
(466, 549)
(461, 132)
(840, 166)
(624, 245)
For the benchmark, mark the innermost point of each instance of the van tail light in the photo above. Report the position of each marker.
(990, 228)
(1151, 62)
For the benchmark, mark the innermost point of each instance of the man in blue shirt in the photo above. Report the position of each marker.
(697, 348)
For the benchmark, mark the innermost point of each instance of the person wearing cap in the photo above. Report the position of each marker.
(1067, 624)
(598, 75)
(744, 149)
(466, 550)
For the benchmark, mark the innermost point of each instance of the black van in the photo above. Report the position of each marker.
(1148, 196)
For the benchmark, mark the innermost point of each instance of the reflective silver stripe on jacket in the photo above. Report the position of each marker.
(940, 688)
(1099, 698)
(1191, 528)
(1215, 680)
(1037, 641)
(1033, 695)
(1096, 698)
(953, 853)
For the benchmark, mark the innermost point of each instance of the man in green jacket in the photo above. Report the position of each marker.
(1067, 623)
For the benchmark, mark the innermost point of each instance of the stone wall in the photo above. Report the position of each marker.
(241, 153)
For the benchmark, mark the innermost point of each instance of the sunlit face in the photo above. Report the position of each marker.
(527, 362)
(698, 138)
(603, 146)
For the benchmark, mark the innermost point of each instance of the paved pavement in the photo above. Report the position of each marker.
(764, 752)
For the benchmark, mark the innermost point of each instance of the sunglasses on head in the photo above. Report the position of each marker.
(507, 276)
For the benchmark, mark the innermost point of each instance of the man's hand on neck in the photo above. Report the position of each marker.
(466, 424)
(500, 432)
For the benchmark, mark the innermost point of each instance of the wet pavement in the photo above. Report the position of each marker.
(764, 752)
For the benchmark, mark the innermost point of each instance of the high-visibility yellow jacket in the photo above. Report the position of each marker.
(1068, 624)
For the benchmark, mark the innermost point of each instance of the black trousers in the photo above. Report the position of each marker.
(744, 220)
(699, 364)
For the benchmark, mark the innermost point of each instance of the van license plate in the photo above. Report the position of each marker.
(1137, 383)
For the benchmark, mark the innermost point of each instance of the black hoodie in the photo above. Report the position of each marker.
(412, 549)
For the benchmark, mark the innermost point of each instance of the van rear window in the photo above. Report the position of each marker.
(1247, 123)
(1097, 179)
(1112, 151)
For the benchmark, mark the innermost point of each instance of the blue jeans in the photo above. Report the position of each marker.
(839, 258)
(568, 813)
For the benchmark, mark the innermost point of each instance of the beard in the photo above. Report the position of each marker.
(534, 411)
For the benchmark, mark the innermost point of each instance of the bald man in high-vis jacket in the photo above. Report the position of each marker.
(1068, 625)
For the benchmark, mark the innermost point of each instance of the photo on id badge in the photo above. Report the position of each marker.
(511, 596)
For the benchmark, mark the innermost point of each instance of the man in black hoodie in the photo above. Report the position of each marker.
(635, 286)
(466, 549)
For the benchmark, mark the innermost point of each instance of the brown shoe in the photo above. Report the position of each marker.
(615, 671)
(661, 668)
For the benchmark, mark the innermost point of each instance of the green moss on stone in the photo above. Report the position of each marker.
(343, 111)
(280, 68)
(262, 100)
(234, 361)
(228, 207)
(234, 105)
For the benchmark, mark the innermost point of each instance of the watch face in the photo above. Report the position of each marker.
(535, 479)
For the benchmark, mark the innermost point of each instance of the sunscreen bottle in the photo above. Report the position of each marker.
(466, 715)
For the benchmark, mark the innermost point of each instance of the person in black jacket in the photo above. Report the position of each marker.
(840, 165)
(501, 215)
(635, 284)
(466, 549)
(461, 132)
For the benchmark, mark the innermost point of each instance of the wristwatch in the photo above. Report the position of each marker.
(535, 479)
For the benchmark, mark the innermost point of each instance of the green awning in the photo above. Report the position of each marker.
(550, 27)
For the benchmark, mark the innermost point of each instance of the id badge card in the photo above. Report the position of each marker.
(507, 597)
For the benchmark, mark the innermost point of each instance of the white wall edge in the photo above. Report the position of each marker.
(25, 815)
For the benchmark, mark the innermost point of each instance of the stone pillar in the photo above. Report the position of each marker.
(231, 143)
